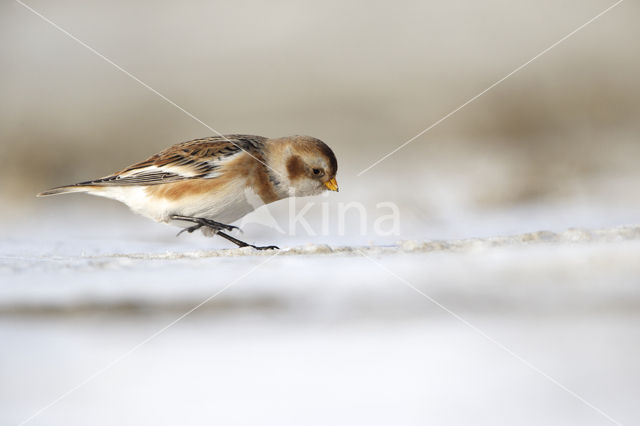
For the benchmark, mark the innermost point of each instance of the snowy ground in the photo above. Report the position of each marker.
(502, 304)
(536, 328)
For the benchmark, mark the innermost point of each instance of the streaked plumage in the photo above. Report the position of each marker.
(219, 178)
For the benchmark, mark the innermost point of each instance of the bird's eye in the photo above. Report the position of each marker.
(317, 172)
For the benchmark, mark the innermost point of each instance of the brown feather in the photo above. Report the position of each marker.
(241, 167)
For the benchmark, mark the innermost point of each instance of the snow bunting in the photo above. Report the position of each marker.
(211, 182)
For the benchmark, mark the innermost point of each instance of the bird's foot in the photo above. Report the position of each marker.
(241, 243)
(217, 227)
(200, 222)
(264, 247)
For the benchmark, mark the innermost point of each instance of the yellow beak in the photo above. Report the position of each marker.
(332, 184)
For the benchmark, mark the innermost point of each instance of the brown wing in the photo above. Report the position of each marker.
(199, 158)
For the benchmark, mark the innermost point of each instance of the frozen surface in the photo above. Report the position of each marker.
(451, 331)
(425, 327)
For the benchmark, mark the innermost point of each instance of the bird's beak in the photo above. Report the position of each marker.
(332, 184)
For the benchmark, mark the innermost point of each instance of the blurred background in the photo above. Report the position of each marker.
(553, 147)
(362, 76)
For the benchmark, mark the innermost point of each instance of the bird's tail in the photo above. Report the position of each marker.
(65, 190)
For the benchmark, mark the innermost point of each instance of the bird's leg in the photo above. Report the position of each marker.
(218, 228)
(200, 222)
(243, 244)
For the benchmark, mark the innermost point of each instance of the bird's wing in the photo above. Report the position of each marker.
(199, 158)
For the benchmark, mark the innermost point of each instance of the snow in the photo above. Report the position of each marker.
(443, 331)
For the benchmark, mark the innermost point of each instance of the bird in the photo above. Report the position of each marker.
(210, 182)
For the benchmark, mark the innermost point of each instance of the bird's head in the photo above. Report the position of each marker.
(306, 165)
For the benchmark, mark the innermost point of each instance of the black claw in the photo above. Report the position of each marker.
(189, 230)
(231, 228)
(265, 247)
